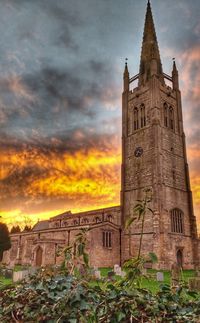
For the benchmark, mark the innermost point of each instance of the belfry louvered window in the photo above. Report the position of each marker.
(165, 115)
(177, 223)
(136, 119)
(168, 116)
(142, 116)
(171, 118)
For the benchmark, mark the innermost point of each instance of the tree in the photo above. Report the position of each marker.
(15, 229)
(139, 212)
(5, 243)
(27, 228)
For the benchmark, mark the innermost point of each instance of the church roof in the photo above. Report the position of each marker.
(150, 49)
(61, 216)
(41, 225)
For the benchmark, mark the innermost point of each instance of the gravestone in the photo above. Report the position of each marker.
(97, 274)
(194, 283)
(8, 273)
(116, 267)
(111, 275)
(197, 273)
(118, 271)
(175, 275)
(144, 271)
(123, 274)
(159, 276)
(20, 275)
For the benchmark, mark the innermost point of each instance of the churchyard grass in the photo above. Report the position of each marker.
(5, 281)
(151, 283)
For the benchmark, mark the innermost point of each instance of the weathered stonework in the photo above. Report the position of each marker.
(153, 156)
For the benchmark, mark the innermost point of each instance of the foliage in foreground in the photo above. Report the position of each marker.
(52, 297)
(68, 295)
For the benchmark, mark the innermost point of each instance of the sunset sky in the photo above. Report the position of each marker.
(61, 68)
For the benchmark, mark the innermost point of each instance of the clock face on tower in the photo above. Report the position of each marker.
(138, 152)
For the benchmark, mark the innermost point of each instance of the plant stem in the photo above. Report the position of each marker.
(142, 230)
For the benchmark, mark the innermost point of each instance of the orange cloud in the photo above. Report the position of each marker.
(85, 179)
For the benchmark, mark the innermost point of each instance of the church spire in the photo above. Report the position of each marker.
(150, 62)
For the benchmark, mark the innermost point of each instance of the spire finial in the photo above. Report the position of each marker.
(126, 76)
(174, 64)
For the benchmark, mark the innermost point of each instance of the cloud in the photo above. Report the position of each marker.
(60, 175)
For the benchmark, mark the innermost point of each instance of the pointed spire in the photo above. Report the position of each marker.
(126, 76)
(150, 62)
(126, 67)
(175, 79)
(174, 66)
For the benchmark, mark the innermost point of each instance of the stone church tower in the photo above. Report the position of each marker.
(154, 156)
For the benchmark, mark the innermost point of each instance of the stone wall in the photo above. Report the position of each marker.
(41, 247)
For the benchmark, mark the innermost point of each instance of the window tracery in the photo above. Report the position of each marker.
(177, 225)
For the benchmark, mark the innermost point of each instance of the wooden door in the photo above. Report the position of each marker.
(39, 253)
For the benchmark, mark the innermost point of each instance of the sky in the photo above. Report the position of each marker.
(61, 69)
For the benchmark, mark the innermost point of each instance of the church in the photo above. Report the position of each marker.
(154, 157)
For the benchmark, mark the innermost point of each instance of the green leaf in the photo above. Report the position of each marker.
(153, 257)
(130, 221)
(150, 210)
(86, 258)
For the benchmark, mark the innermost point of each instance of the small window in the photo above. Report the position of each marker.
(65, 224)
(109, 217)
(177, 225)
(85, 220)
(75, 222)
(97, 220)
(107, 239)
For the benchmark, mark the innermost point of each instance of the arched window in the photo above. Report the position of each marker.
(85, 221)
(107, 239)
(109, 217)
(166, 115)
(142, 116)
(177, 225)
(75, 222)
(171, 118)
(97, 219)
(136, 121)
(64, 223)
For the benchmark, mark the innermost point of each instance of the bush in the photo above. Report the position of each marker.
(50, 296)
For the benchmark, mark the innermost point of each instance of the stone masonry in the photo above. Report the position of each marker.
(154, 157)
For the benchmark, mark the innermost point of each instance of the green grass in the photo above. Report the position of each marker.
(151, 282)
(5, 281)
(20, 267)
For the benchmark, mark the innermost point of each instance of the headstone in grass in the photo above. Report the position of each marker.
(116, 267)
(111, 275)
(197, 273)
(144, 271)
(118, 271)
(194, 283)
(123, 274)
(97, 274)
(175, 274)
(159, 276)
(8, 273)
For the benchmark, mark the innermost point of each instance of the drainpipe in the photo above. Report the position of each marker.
(120, 246)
